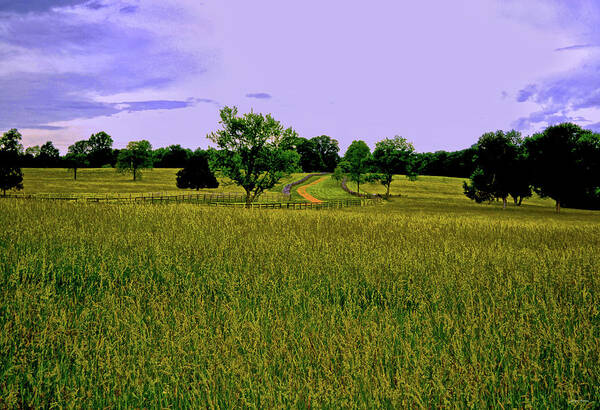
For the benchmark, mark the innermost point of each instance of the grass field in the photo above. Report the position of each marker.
(108, 180)
(428, 300)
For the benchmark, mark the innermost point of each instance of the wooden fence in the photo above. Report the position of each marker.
(232, 199)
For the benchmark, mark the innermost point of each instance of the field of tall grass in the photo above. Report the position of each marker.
(424, 301)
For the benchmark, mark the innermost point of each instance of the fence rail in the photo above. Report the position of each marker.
(152, 197)
(233, 199)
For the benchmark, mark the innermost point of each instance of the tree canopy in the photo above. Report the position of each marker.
(134, 158)
(11, 176)
(254, 151)
(356, 163)
(197, 173)
(393, 156)
(100, 149)
(497, 156)
(566, 161)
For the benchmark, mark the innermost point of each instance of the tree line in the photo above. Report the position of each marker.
(256, 151)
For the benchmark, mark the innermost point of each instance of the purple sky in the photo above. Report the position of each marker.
(439, 73)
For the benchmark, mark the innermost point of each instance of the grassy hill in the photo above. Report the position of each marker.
(428, 300)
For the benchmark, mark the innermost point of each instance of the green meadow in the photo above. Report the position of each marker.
(427, 300)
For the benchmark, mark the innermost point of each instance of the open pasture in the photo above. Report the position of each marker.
(424, 301)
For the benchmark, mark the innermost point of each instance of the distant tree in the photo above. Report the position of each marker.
(11, 141)
(565, 162)
(327, 150)
(253, 151)
(356, 163)
(174, 156)
(34, 151)
(100, 149)
(11, 176)
(496, 155)
(318, 154)
(391, 157)
(134, 158)
(309, 157)
(29, 158)
(49, 155)
(448, 164)
(197, 173)
(77, 156)
(520, 176)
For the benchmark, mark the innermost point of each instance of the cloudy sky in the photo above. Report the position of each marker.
(437, 72)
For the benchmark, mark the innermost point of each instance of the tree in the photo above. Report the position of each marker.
(49, 155)
(448, 164)
(77, 156)
(391, 157)
(327, 150)
(494, 177)
(197, 174)
(565, 164)
(174, 156)
(11, 176)
(100, 149)
(254, 151)
(11, 141)
(356, 163)
(134, 158)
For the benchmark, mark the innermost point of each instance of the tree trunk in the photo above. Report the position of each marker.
(558, 206)
(248, 199)
(134, 172)
(75, 174)
(520, 201)
(516, 198)
(387, 193)
(4, 194)
(358, 187)
(504, 202)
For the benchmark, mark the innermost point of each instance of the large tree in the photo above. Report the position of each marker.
(100, 149)
(565, 164)
(174, 156)
(326, 150)
(393, 156)
(134, 158)
(11, 176)
(253, 151)
(197, 173)
(356, 163)
(49, 155)
(495, 159)
(77, 156)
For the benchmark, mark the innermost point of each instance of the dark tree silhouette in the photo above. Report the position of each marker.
(197, 174)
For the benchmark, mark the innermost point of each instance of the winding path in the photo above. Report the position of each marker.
(302, 191)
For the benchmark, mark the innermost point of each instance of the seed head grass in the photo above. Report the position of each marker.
(423, 301)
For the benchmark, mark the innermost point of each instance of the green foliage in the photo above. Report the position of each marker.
(134, 158)
(11, 176)
(197, 173)
(254, 151)
(391, 157)
(318, 154)
(566, 165)
(77, 156)
(49, 155)
(11, 142)
(356, 163)
(501, 168)
(100, 149)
